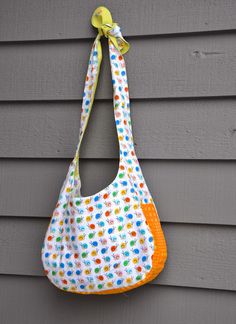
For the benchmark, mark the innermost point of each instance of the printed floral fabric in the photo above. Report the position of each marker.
(102, 241)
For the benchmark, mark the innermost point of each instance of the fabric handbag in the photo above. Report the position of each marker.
(112, 241)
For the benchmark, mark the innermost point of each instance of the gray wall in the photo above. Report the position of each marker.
(182, 79)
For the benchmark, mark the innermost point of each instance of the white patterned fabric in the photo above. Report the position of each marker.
(103, 241)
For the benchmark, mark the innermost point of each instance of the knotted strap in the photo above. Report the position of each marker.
(102, 20)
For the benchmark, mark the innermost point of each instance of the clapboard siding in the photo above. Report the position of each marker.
(58, 19)
(27, 300)
(166, 67)
(163, 129)
(198, 256)
(186, 191)
(181, 70)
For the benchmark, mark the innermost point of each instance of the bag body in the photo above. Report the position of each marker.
(111, 241)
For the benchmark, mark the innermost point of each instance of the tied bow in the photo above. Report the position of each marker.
(102, 20)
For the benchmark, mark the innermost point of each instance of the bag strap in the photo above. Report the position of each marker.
(102, 20)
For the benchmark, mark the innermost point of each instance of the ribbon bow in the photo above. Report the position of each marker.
(102, 20)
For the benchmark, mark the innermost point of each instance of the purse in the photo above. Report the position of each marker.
(112, 241)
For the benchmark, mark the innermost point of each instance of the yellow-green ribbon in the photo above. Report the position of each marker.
(102, 20)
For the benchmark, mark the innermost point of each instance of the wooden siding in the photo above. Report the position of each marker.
(187, 191)
(182, 80)
(198, 256)
(40, 20)
(175, 129)
(169, 67)
(34, 300)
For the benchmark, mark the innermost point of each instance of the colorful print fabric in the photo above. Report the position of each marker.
(102, 241)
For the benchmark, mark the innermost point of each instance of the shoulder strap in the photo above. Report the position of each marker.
(102, 20)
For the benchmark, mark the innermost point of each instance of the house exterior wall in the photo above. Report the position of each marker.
(181, 70)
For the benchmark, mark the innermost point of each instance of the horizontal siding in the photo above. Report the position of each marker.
(182, 87)
(58, 19)
(163, 129)
(166, 67)
(34, 300)
(198, 256)
(186, 191)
